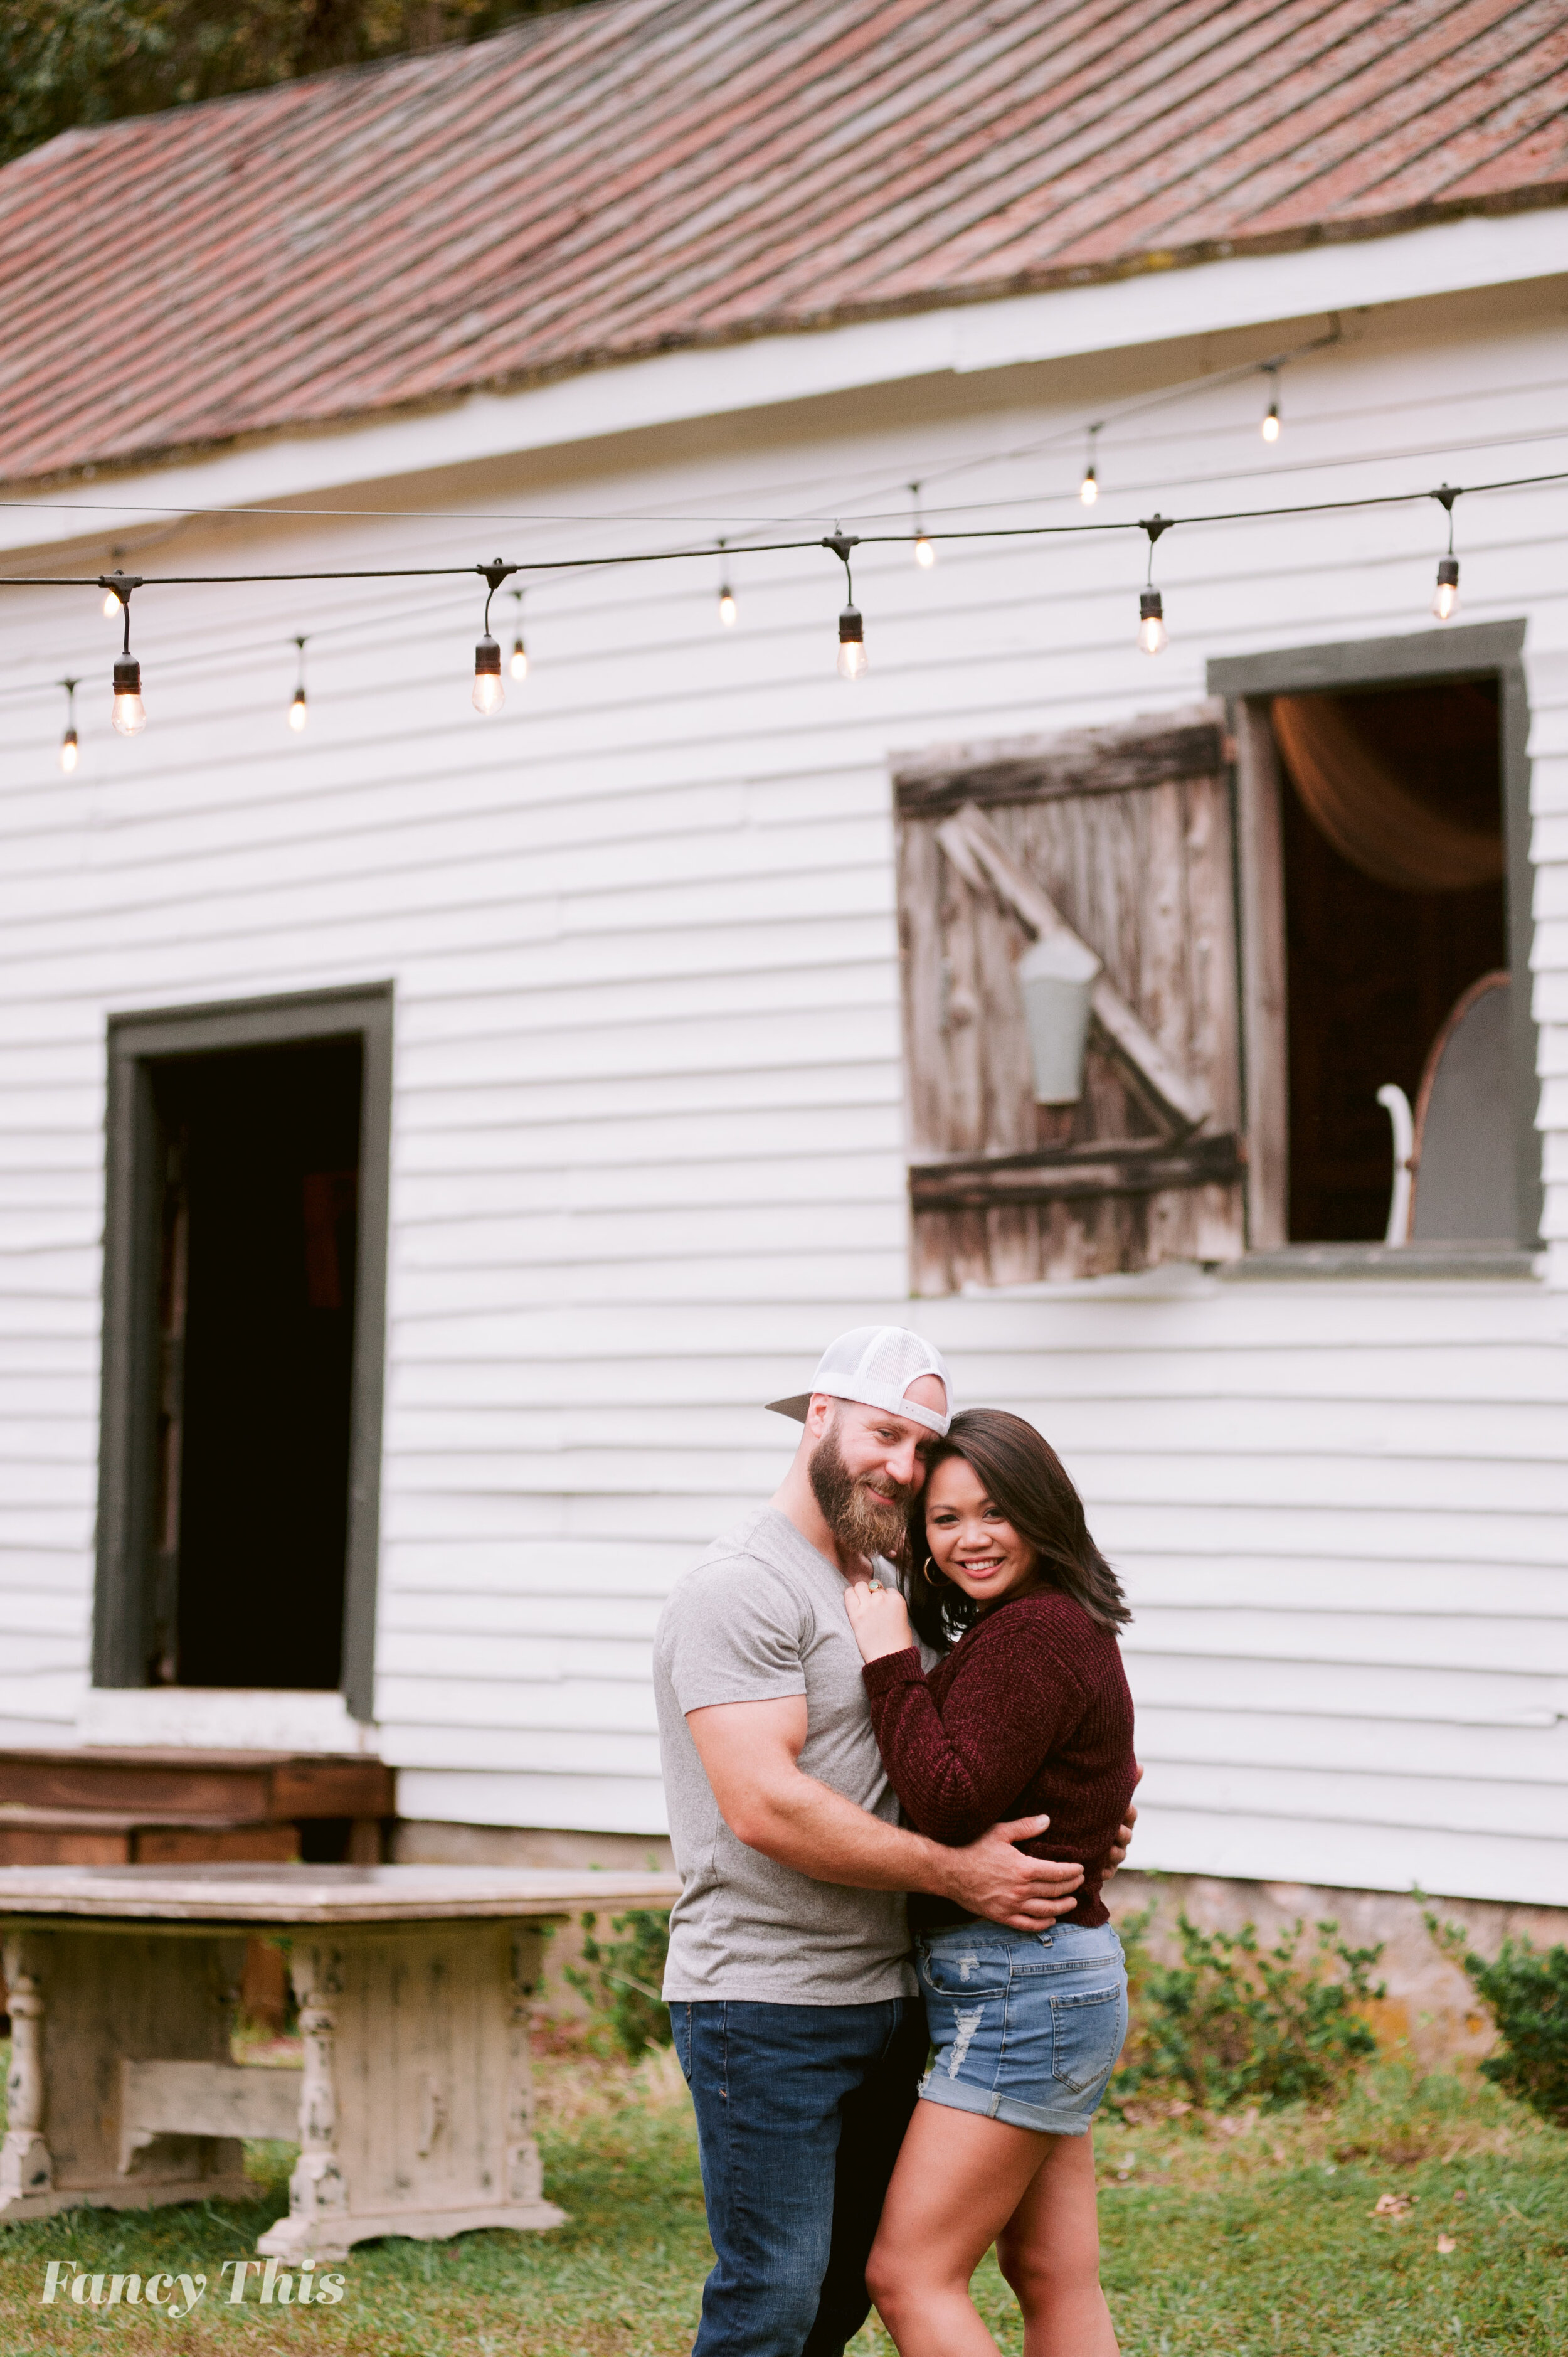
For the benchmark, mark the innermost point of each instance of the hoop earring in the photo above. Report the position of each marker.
(940, 1581)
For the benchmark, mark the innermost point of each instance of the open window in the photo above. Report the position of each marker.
(1382, 794)
(1070, 1002)
(243, 1290)
(1248, 978)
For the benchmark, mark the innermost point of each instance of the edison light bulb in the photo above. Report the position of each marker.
(1089, 489)
(925, 554)
(297, 715)
(729, 612)
(852, 644)
(128, 716)
(489, 692)
(69, 750)
(1270, 428)
(1152, 636)
(111, 607)
(518, 666)
(1445, 597)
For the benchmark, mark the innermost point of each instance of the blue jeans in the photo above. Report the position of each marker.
(800, 2111)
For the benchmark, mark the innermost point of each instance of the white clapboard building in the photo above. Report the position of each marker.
(428, 1137)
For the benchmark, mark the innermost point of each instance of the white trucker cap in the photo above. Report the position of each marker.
(875, 1365)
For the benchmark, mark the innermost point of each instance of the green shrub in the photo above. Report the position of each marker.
(1526, 1993)
(1237, 2023)
(624, 1977)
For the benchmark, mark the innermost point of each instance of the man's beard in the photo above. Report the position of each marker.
(860, 1524)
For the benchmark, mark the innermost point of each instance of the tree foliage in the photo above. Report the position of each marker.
(67, 63)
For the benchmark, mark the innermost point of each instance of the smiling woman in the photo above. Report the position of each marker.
(999, 1513)
(1029, 1712)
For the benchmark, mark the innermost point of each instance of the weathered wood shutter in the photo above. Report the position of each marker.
(1124, 837)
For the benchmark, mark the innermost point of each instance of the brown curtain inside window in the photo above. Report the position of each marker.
(1369, 816)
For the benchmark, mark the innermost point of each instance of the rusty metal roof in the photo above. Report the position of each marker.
(652, 173)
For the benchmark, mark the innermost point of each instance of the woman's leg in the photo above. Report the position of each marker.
(958, 2181)
(1049, 2253)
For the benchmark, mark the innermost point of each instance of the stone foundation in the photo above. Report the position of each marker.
(1430, 2005)
(420, 1843)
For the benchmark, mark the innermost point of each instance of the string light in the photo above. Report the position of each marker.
(1152, 636)
(69, 750)
(925, 554)
(1206, 381)
(729, 612)
(127, 714)
(488, 694)
(517, 664)
(298, 713)
(1270, 428)
(1445, 597)
(1089, 489)
(852, 629)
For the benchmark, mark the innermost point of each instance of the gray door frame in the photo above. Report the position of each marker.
(1483, 648)
(136, 1040)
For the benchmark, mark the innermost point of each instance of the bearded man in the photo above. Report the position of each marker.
(797, 2019)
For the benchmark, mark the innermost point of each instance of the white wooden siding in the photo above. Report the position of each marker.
(648, 1138)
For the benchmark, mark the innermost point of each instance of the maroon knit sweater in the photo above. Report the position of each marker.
(1030, 1712)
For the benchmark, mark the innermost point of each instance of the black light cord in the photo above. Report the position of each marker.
(498, 571)
(1445, 497)
(488, 695)
(1126, 411)
(842, 542)
(494, 574)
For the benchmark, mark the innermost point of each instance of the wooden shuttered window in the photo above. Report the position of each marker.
(1122, 837)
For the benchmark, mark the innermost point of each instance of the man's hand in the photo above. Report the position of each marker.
(1117, 1854)
(991, 1878)
(879, 1618)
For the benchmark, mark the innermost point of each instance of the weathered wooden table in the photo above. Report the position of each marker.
(413, 2110)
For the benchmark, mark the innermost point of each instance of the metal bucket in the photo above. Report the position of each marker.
(1056, 978)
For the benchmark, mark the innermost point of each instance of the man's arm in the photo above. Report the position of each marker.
(750, 1752)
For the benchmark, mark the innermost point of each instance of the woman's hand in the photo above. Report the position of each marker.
(879, 1618)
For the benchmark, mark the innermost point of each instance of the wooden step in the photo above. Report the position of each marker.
(217, 1787)
(31, 1836)
(102, 1805)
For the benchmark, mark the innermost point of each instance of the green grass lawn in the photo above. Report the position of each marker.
(1252, 2238)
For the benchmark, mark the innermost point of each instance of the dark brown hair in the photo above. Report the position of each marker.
(1023, 1475)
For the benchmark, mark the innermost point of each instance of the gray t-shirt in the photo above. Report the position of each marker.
(759, 1617)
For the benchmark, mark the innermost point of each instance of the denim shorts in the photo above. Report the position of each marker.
(1027, 2025)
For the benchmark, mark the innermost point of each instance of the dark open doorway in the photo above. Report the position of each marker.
(257, 1222)
(1383, 931)
(243, 1289)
